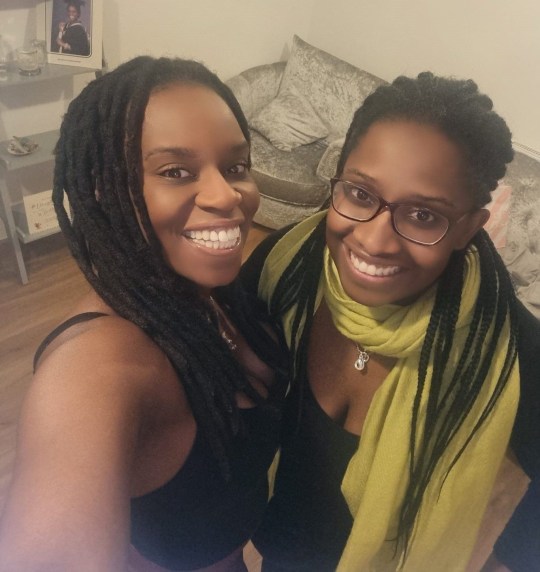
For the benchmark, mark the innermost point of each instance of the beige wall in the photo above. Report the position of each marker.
(495, 42)
(228, 36)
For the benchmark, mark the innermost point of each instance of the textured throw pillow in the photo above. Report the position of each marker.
(289, 121)
(499, 208)
(333, 87)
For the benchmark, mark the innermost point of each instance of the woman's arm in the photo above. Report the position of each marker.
(68, 505)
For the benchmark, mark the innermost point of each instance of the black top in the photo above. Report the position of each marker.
(320, 522)
(307, 521)
(198, 518)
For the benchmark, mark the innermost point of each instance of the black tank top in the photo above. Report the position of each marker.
(307, 521)
(198, 518)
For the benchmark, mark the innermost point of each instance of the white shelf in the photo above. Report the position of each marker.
(25, 237)
(48, 72)
(46, 141)
(44, 153)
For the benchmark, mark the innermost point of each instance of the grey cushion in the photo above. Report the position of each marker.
(289, 121)
(334, 87)
(256, 87)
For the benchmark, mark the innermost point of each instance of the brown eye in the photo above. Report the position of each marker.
(422, 215)
(238, 169)
(175, 173)
(362, 197)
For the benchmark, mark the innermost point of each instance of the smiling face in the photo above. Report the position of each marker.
(196, 183)
(401, 161)
(73, 13)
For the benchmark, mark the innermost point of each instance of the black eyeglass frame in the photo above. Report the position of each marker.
(383, 205)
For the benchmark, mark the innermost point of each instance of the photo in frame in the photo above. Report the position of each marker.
(73, 31)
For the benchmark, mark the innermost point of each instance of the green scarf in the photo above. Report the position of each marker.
(449, 518)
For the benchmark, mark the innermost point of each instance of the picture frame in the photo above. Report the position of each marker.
(72, 31)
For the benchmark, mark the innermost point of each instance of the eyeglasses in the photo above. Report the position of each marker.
(413, 222)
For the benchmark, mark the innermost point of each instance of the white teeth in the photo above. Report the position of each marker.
(371, 269)
(216, 239)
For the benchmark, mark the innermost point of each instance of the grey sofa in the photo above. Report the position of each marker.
(521, 249)
(298, 112)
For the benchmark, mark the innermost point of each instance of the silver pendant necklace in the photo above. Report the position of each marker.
(362, 359)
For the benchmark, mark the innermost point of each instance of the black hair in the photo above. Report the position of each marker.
(457, 109)
(465, 115)
(98, 166)
(77, 4)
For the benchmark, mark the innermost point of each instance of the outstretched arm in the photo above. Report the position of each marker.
(68, 505)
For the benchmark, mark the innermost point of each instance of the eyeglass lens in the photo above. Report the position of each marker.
(414, 222)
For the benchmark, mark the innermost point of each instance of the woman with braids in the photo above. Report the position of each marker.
(413, 361)
(151, 420)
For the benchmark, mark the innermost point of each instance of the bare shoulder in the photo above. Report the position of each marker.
(102, 379)
(107, 351)
(79, 437)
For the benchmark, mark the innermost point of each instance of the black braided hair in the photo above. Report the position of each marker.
(77, 4)
(98, 166)
(465, 116)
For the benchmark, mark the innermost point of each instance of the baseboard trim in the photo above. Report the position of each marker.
(526, 150)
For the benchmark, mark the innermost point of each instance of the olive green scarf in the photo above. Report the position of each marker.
(449, 518)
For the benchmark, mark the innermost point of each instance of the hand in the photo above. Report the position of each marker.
(61, 26)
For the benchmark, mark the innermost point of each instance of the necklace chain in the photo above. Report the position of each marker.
(224, 325)
(362, 359)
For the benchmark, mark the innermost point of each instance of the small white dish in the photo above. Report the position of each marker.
(21, 146)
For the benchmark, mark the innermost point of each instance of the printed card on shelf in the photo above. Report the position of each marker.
(40, 213)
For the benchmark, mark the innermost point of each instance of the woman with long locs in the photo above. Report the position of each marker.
(153, 416)
(414, 365)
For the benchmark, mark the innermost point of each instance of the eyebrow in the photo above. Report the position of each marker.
(187, 153)
(416, 196)
(179, 151)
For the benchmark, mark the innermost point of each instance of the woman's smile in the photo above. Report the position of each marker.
(215, 238)
(373, 270)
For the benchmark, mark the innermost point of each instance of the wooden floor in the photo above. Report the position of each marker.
(28, 313)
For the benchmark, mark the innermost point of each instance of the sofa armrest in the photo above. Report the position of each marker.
(326, 169)
(256, 87)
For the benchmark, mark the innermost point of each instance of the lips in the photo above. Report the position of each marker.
(215, 238)
(372, 269)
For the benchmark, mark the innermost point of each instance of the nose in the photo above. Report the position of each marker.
(216, 193)
(377, 236)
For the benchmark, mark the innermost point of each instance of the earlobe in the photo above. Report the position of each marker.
(474, 222)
